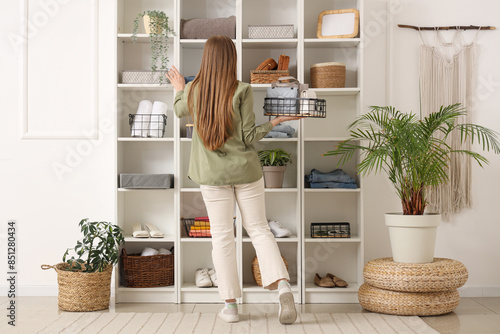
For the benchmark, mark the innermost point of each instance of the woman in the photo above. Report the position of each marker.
(226, 165)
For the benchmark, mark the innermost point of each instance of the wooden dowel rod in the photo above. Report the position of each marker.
(448, 27)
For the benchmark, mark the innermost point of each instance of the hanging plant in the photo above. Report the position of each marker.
(159, 31)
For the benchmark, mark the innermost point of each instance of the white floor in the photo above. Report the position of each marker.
(473, 315)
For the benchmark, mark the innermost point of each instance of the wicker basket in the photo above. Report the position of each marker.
(82, 292)
(147, 271)
(265, 77)
(328, 75)
(256, 270)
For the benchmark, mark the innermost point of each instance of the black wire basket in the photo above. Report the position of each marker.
(330, 230)
(148, 125)
(287, 106)
(200, 228)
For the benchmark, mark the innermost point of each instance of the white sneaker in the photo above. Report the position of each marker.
(213, 277)
(287, 313)
(202, 279)
(279, 230)
(230, 313)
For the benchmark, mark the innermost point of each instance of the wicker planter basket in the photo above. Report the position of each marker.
(82, 292)
(328, 75)
(256, 270)
(265, 77)
(147, 271)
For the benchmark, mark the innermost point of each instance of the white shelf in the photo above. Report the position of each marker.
(331, 42)
(170, 288)
(202, 240)
(136, 139)
(148, 87)
(331, 190)
(352, 287)
(352, 239)
(141, 38)
(144, 189)
(194, 43)
(166, 238)
(279, 139)
(293, 238)
(324, 139)
(191, 287)
(284, 43)
(253, 287)
(349, 91)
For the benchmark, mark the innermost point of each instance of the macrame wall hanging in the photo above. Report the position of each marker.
(447, 76)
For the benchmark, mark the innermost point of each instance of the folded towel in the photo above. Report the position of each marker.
(149, 252)
(140, 126)
(198, 234)
(284, 128)
(201, 223)
(202, 218)
(156, 124)
(192, 228)
(164, 251)
(337, 175)
(276, 134)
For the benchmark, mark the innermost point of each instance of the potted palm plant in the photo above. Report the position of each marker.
(273, 164)
(85, 277)
(415, 155)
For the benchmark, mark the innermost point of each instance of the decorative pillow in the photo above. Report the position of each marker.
(206, 28)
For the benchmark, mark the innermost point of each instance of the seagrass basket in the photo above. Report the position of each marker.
(147, 271)
(265, 77)
(82, 292)
(256, 270)
(328, 75)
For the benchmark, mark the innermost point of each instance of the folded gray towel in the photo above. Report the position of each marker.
(206, 28)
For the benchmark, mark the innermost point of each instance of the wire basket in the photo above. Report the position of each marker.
(330, 230)
(151, 125)
(147, 271)
(288, 106)
(200, 227)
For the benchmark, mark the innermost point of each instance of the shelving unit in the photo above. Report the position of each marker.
(295, 206)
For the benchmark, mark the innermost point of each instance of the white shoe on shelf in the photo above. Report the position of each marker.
(213, 277)
(154, 232)
(230, 313)
(202, 278)
(138, 232)
(279, 230)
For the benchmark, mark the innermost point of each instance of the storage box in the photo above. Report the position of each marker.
(328, 75)
(146, 271)
(330, 230)
(265, 77)
(146, 181)
(143, 77)
(270, 31)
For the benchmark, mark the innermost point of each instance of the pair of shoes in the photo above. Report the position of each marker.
(287, 313)
(154, 232)
(329, 281)
(230, 313)
(279, 230)
(205, 278)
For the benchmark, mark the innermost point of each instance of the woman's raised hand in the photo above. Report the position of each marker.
(176, 79)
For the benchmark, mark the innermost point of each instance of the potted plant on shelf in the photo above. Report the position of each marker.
(415, 155)
(274, 164)
(84, 280)
(157, 26)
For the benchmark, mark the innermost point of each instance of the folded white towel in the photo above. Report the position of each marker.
(164, 251)
(149, 252)
(140, 126)
(156, 124)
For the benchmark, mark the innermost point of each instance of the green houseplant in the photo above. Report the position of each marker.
(274, 164)
(415, 155)
(157, 26)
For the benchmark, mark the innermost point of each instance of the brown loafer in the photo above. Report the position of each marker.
(339, 282)
(325, 282)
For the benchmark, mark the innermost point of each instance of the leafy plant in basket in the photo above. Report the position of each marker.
(98, 248)
(273, 164)
(157, 23)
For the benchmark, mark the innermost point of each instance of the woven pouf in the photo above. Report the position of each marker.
(439, 275)
(407, 303)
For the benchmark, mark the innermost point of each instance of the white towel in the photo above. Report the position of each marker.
(140, 126)
(156, 124)
(164, 251)
(148, 251)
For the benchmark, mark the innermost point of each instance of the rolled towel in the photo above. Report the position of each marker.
(148, 251)
(140, 126)
(156, 124)
(164, 251)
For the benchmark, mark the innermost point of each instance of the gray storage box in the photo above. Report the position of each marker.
(146, 181)
(271, 31)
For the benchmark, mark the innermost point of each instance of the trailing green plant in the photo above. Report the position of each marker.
(413, 153)
(276, 157)
(159, 34)
(98, 248)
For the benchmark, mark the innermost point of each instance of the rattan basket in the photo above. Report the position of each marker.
(328, 75)
(256, 270)
(82, 292)
(147, 271)
(265, 77)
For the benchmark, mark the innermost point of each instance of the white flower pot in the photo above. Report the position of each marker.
(413, 237)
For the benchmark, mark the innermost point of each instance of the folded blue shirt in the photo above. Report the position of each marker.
(333, 185)
(276, 134)
(337, 175)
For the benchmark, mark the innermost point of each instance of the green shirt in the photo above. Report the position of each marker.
(236, 162)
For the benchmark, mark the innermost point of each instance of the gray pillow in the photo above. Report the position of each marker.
(206, 28)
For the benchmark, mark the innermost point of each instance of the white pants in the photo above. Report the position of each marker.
(219, 201)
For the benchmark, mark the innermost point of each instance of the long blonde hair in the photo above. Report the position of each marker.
(214, 87)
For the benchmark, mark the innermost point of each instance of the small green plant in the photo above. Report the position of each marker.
(98, 248)
(276, 157)
(159, 33)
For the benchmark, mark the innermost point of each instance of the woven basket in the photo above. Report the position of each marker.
(264, 77)
(82, 292)
(328, 75)
(256, 270)
(147, 271)
(407, 303)
(439, 275)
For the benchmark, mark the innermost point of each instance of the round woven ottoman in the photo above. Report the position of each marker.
(439, 275)
(407, 303)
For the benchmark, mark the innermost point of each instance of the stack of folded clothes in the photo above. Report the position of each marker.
(334, 179)
(200, 228)
(281, 131)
